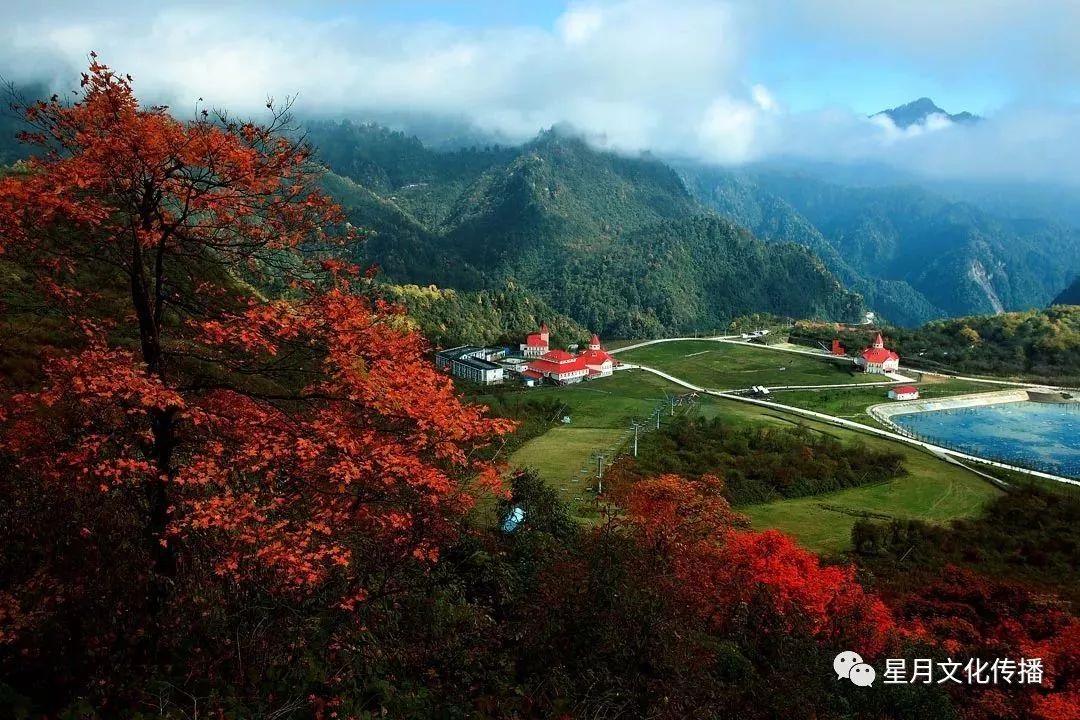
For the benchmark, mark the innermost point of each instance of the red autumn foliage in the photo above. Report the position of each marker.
(295, 442)
(719, 569)
(971, 616)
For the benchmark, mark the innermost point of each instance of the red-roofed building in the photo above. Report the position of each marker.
(536, 344)
(599, 363)
(904, 392)
(560, 366)
(878, 359)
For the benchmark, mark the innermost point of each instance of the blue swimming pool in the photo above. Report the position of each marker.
(1042, 436)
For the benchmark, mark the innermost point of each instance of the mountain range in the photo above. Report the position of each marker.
(618, 244)
(913, 254)
(634, 246)
(582, 229)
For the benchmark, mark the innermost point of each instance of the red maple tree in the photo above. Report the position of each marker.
(720, 569)
(299, 441)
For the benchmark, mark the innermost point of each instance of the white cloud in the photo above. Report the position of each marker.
(577, 25)
(729, 131)
(891, 133)
(763, 98)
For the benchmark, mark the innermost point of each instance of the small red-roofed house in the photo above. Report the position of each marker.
(878, 359)
(904, 392)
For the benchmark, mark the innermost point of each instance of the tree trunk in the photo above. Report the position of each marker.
(163, 427)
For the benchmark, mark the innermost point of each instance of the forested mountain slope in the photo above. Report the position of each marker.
(1070, 295)
(566, 225)
(616, 243)
(912, 254)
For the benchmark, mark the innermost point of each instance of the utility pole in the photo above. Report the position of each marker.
(658, 413)
(637, 426)
(600, 475)
(672, 413)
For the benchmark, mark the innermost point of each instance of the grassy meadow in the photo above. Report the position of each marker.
(601, 412)
(728, 366)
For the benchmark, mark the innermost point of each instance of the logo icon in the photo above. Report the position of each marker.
(862, 675)
(850, 665)
(843, 663)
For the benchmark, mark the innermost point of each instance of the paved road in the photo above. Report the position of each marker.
(936, 449)
(667, 340)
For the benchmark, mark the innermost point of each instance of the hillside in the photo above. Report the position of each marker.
(450, 317)
(913, 255)
(617, 244)
(11, 122)
(550, 213)
(1043, 345)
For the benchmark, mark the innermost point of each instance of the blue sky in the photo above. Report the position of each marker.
(726, 81)
(479, 13)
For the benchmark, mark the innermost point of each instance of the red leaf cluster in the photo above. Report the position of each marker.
(721, 571)
(967, 615)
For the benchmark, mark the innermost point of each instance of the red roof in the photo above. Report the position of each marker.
(546, 366)
(879, 355)
(595, 357)
(904, 389)
(595, 339)
(557, 356)
(534, 340)
(532, 374)
(878, 340)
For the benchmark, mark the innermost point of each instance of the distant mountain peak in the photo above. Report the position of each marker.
(917, 111)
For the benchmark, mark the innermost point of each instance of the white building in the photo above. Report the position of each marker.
(558, 365)
(467, 362)
(564, 367)
(597, 361)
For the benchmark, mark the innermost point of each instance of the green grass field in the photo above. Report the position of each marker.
(851, 403)
(601, 411)
(563, 457)
(611, 402)
(727, 366)
(933, 490)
